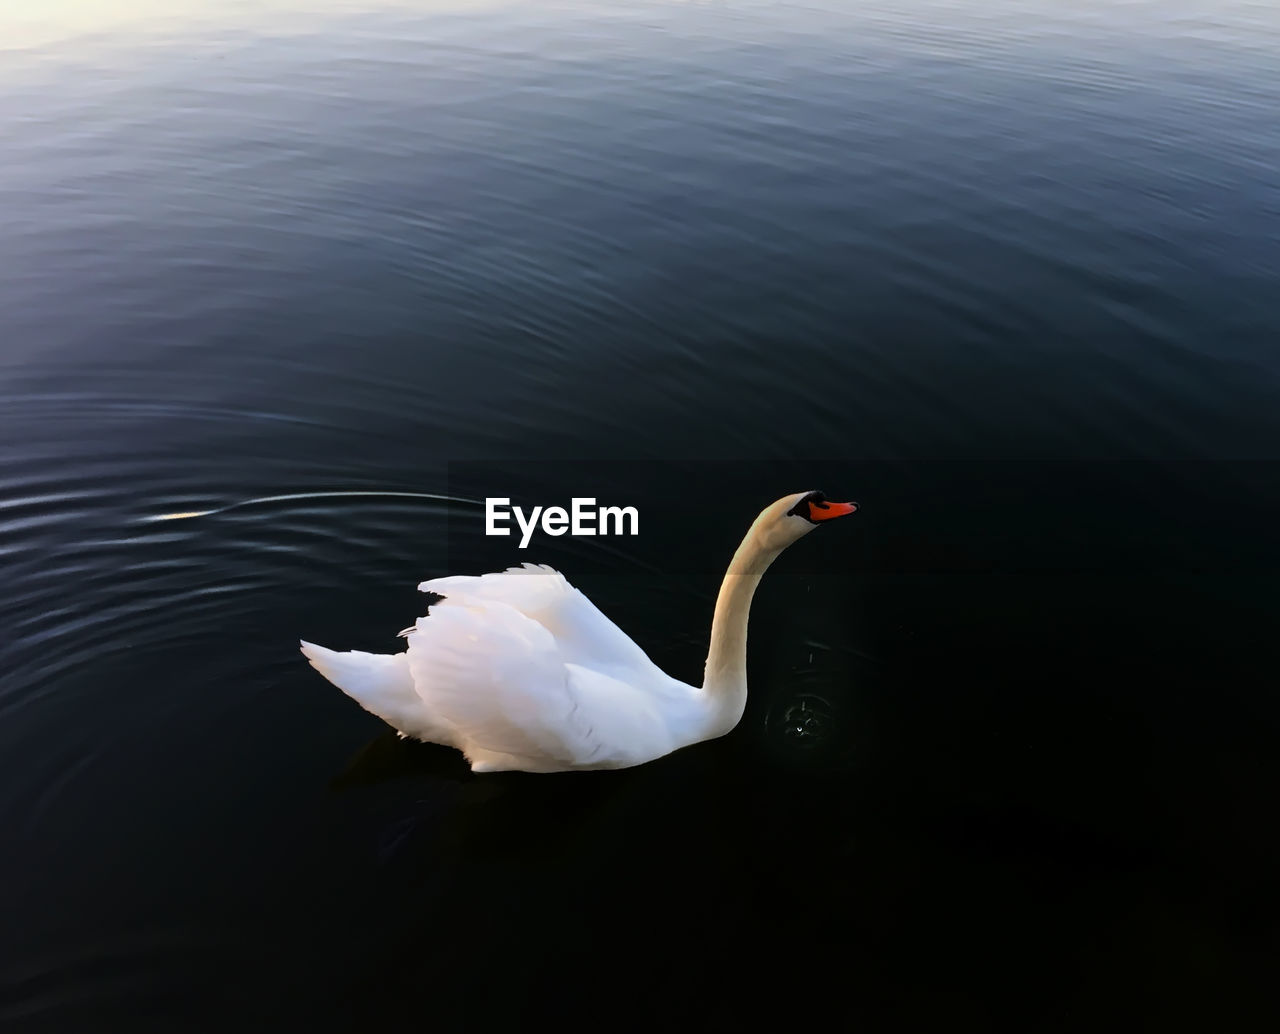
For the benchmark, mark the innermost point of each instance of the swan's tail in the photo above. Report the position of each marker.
(378, 682)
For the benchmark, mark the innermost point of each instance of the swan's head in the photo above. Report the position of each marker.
(794, 516)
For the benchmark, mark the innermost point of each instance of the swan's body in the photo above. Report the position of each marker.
(519, 670)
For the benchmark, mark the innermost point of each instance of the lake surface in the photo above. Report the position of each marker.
(1005, 273)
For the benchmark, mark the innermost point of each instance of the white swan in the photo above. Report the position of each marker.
(520, 671)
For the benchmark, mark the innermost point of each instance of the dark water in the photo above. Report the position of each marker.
(1005, 273)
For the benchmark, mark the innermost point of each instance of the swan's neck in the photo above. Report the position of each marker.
(725, 680)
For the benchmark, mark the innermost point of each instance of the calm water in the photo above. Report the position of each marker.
(1005, 272)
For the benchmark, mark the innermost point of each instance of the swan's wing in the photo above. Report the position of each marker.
(498, 678)
(583, 633)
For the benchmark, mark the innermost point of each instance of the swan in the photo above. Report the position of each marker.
(520, 671)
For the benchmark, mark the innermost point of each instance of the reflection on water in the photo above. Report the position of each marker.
(187, 514)
(1009, 749)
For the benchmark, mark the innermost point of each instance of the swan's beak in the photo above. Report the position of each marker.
(825, 511)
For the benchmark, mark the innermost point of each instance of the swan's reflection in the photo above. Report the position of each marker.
(441, 809)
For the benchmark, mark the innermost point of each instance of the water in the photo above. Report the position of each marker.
(1005, 273)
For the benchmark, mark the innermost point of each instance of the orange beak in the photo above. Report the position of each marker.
(825, 511)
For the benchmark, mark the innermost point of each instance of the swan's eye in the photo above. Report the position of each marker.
(802, 507)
